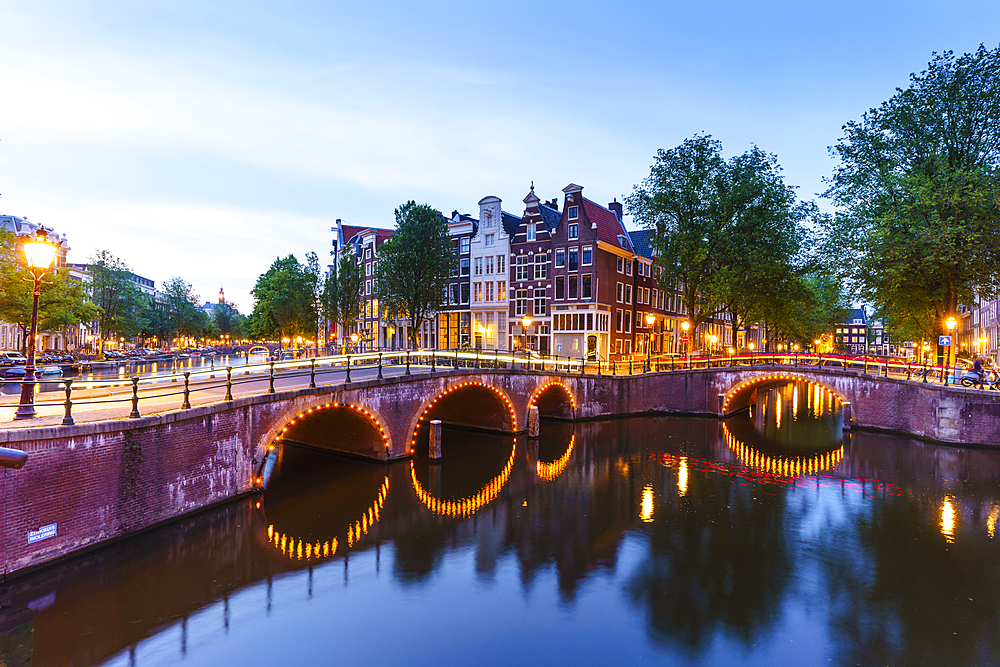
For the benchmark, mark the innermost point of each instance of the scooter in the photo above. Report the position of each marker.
(989, 379)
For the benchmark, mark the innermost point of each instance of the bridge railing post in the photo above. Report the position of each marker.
(347, 379)
(68, 418)
(135, 399)
(379, 365)
(270, 389)
(312, 373)
(229, 383)
(187, 391)
(407, 362)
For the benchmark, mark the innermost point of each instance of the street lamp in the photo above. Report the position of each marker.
(732, 351)
(750, 345)
(950, 323)
(39, 252)
(525, 323)
(650, 319)
(354, 339)
(392, 336)
(685, 325)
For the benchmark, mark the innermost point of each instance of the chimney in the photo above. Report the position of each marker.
(616, 206)
(454, 214)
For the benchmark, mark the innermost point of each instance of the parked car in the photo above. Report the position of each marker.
(12, 359)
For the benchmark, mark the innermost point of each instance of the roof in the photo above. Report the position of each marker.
(640, 242)
(550, 216)
(609, 227)
(857, 314)
(510, 222)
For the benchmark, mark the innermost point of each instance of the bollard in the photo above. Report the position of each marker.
(312, 372)
(847, 416)
(270, 389)
(187, 391)
(722, 403)
(229, 383)
(434, 441)
(12, 458)
(68, 419)
(135, 399)
(533, 428)
(380, 366)
(407, 362)
(347, 379)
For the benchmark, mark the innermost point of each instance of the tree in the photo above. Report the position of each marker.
(315, 283)
(918, 230)
(342, 298)
(284, 301)
(117, 297)
(413, 267)
(228, 320)
(729, 233)
(180, 302)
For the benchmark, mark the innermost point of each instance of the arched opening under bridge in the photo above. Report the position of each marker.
(742, 395)
(340, 427)
(554, 400)
(468, 405)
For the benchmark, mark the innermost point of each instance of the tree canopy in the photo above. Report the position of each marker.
(117, 297)
(284, 301)
(342, 297)
(413, 267)
(918, 227)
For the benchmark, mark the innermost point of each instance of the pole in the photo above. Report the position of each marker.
(68, 419)
(312, 372)
(135, 399)
(26, 408)
(187, 391)
(229, 383)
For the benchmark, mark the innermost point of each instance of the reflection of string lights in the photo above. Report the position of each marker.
(298, 549)
(370, 416)
(500, 394)
(465, 506)
(768, 378)
(991, 520)
(549, 471)
(783, 466)
(553, 383)
(646, 508)
(948, 519)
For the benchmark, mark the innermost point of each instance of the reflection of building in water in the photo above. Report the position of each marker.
(464, 507)
(549, 471)
(298, 549)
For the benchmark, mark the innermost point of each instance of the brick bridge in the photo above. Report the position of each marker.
(100, 481)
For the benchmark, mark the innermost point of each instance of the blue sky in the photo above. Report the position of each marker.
(204, 139)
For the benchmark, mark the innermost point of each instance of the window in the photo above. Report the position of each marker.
(477, 292)
(621, 266)
(465, 293)
(521, 268)
(479, 266)
(587, 291)
(531, 231)
(628, 321)
(541, 266)
(489, 265)
(490, 240)
(573, 259)
(626, 347)
(453, 295)
(574, 231)
(463, 266)
(501, 263)
(368, 269)
(573, 212)
(628, 267)
(560, 287)
(590, 321)
(368, 287)
(368, 253)
(654, 299)
(560, 258)
(539, 301)
(502, 290)
(620, 294)
(618, 320)
(464, 244)
(573, 294)
(628, 294)
(489, 291)
(521, 302)
(618, 346)
(588, 255)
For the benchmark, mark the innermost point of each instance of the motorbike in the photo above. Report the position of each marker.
(989, 379)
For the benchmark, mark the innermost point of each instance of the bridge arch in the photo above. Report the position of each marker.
(736, 396)
(464, 507)
(468, 404)
(356, 429)
(554, 400)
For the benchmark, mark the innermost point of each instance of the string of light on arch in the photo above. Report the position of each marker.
(499, 394)
(549, 471)
(298, 549)
(791, 466)
(769, 378)
(553, 383)
(466, 506)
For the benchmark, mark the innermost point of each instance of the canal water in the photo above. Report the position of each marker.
(764, 539)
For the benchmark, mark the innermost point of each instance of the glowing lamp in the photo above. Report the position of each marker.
(526, 321)
(650, 318)
(750, 346)
(39, 251)
(685, 325)
(950, 323)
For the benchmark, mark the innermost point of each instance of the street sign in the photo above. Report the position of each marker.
(944, 340)
(684, 339)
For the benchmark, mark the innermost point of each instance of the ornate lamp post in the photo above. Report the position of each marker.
(354, 339)
(712, 340)
(525, 323)
(750, 345)
(685, 325)
(392, 337)
(650, 319)
(950, 323)
(39, 252)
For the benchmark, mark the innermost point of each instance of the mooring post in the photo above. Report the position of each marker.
(533, 428)
(135, 399)
(68, 419)
(722, 404)
(229, 383)
(434, 442)
(847, 415)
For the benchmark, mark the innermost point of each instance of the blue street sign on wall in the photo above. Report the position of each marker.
(944, 340)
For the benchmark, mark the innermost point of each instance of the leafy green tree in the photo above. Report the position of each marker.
(229, 321)
(342, 299)
(117, 297)
(918, 231)
(284, 301)
(180, 302)
(413, 267)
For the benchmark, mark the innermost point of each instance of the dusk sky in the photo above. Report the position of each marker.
(203, 139)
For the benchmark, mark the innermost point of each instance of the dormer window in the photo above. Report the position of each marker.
(573, 212)
(623, 241)
(574, 231)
